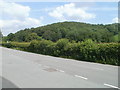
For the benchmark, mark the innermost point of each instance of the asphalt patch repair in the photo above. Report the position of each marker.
(50, 69)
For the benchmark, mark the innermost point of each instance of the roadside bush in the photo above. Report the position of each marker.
(87, 50)
(107, 53)
(20, 45)
(42, 47)
(60, 47)
(8, 45)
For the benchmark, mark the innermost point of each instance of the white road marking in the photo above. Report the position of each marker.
(61, 71)
(111, 86)
(81, 77)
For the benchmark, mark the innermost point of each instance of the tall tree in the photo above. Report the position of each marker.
(32, 36)
(11, 37)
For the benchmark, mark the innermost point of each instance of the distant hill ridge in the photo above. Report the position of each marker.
(77, 31)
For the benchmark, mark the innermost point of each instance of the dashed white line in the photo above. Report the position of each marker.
(61, 71)
(81, 77)
(111, 86)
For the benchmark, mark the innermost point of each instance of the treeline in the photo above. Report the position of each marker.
(88, 50)
(70, 30)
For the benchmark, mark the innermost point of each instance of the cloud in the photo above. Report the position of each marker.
(9, 26)
(16, 17)
(13, 10)
(115, 20)
(71, 12)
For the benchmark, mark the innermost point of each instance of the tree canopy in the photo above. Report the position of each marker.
(70, 30)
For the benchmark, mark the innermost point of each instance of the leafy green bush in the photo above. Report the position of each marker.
(8, 45)
(41, 47)
(20, 45)
(107, 53)
(87, 50)
(60, 47)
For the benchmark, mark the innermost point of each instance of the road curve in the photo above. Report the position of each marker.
(29, 70)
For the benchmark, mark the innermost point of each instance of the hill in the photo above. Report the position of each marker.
(71, 30)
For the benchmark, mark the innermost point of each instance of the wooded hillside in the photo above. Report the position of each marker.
(71, 30)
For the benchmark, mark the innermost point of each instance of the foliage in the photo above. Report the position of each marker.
(10, 37)
(71, 30)
(75, 40)
(5, 39)
(86, 50)
(1, 36)
(20, 45)
(60, 47)
(32, 36)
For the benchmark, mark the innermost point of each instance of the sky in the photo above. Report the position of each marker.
(20, 15)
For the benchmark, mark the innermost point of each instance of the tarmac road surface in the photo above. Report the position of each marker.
(28, 70)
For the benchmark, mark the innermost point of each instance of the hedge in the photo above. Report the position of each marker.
(16, 45)
(106, 53)
(88, 50)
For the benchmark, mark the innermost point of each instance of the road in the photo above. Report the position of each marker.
(28, 70)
